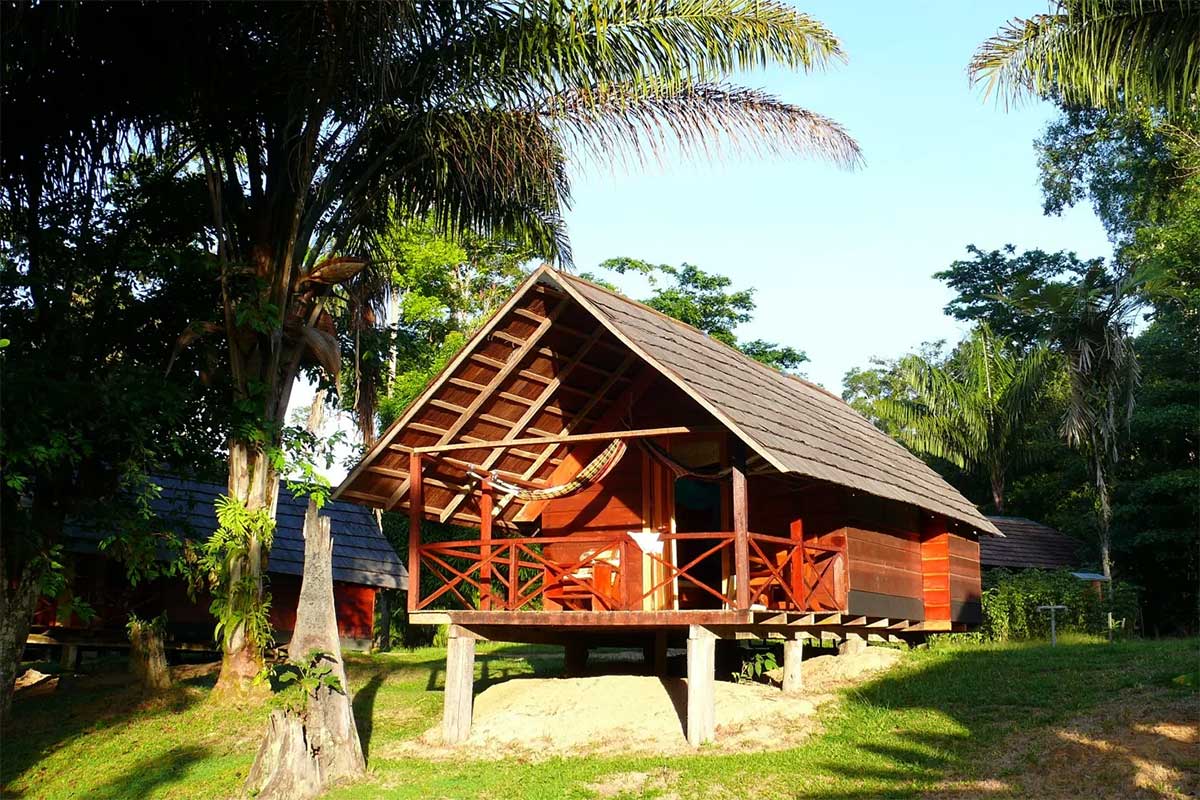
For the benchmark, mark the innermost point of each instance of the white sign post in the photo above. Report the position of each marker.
(1053, 631)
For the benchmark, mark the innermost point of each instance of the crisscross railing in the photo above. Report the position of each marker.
(514, 574)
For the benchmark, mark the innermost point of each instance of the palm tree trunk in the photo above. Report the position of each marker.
(252, 480)
(997, 479)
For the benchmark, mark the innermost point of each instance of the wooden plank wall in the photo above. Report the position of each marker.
(965, 584)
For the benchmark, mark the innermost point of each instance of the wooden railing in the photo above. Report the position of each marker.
(515, 574)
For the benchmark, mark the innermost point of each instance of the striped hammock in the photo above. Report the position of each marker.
(600, 466)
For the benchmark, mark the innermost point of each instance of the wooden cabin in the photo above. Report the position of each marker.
(363, 564)
(633, 480)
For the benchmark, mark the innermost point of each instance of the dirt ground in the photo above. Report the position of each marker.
(542, 717)
(1144, 745)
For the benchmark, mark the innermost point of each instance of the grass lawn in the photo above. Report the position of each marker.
(1085, 719)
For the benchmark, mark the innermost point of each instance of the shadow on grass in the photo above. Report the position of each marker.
(149, 775)
(1002, 722)
(75, 709)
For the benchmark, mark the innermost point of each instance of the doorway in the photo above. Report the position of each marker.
(698, 510)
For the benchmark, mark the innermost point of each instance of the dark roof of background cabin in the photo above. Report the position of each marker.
(802, 428)
(361, 554)
(1028, 545)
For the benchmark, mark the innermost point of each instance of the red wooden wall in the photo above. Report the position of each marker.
(102, 583)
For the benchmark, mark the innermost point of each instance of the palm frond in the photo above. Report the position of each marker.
(1098, 53)
(700, 119)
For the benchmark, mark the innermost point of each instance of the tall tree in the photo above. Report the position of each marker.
(95, 283)
(1099, 54)
(984, 281)
(972, 410)
(1090, 328)
(311, 122)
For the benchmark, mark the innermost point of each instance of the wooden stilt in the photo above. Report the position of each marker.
(575, 661)
(460, 686)
(701, 675)
(793, 653)
(660, 654)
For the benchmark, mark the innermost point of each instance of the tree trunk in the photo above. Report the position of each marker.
(147, 656)
(253, 481)
(383, 634)
(305, 753)
(18, 597)
(997, 479)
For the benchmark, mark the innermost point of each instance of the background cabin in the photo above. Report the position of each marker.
(363, 563)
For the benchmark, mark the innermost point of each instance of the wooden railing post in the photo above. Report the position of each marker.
(485, 547)
(513, 579)
(416, 512)
(796, 562)
(741, 524)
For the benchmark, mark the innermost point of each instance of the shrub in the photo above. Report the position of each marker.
(1011, 600)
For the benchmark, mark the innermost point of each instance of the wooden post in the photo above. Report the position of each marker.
(416, 513)
(383, 634)
(660, 653)
(741, 525)
(460, 686)
(575, 659)
(793, 654)
(701, 677)
(796, 563)
(485, 548)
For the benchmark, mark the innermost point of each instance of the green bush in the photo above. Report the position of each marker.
(1011, 600)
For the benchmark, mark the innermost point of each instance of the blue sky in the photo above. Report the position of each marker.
(841, 261)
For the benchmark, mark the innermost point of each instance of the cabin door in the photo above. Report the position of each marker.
(698, 510)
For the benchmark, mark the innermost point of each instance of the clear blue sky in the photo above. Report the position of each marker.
(841, 261)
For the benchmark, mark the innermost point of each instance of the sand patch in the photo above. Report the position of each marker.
(825, 673)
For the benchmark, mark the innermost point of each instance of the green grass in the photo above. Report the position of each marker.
(945, 715)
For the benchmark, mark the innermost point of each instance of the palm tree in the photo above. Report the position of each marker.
(1089, 326)
(1099, 53)
(970, 411)
(310, 123)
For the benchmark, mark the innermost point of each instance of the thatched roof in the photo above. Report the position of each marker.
(794, 426)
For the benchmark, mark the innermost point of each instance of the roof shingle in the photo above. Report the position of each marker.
(361, 554)
(1028, 545)
(798, 427)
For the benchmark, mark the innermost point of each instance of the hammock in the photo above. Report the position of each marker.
(600, 466)
(682, 470)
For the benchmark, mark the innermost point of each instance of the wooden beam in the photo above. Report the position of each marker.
(793, 655)
(485, 547)
(741, 524)
(416, 505)
(701, 676)
(639, 433)
(534, 409)
(567, 468)
(458, 692)
(506, 369)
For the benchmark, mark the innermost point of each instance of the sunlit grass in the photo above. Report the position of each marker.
(943, 715)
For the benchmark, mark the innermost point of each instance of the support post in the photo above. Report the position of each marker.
(485, 548)
(796, 563)
(741, 524)
(701, 677)
(575, 659)
(660, 654)
(793, 655)
(416, 513)
(458, 696)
